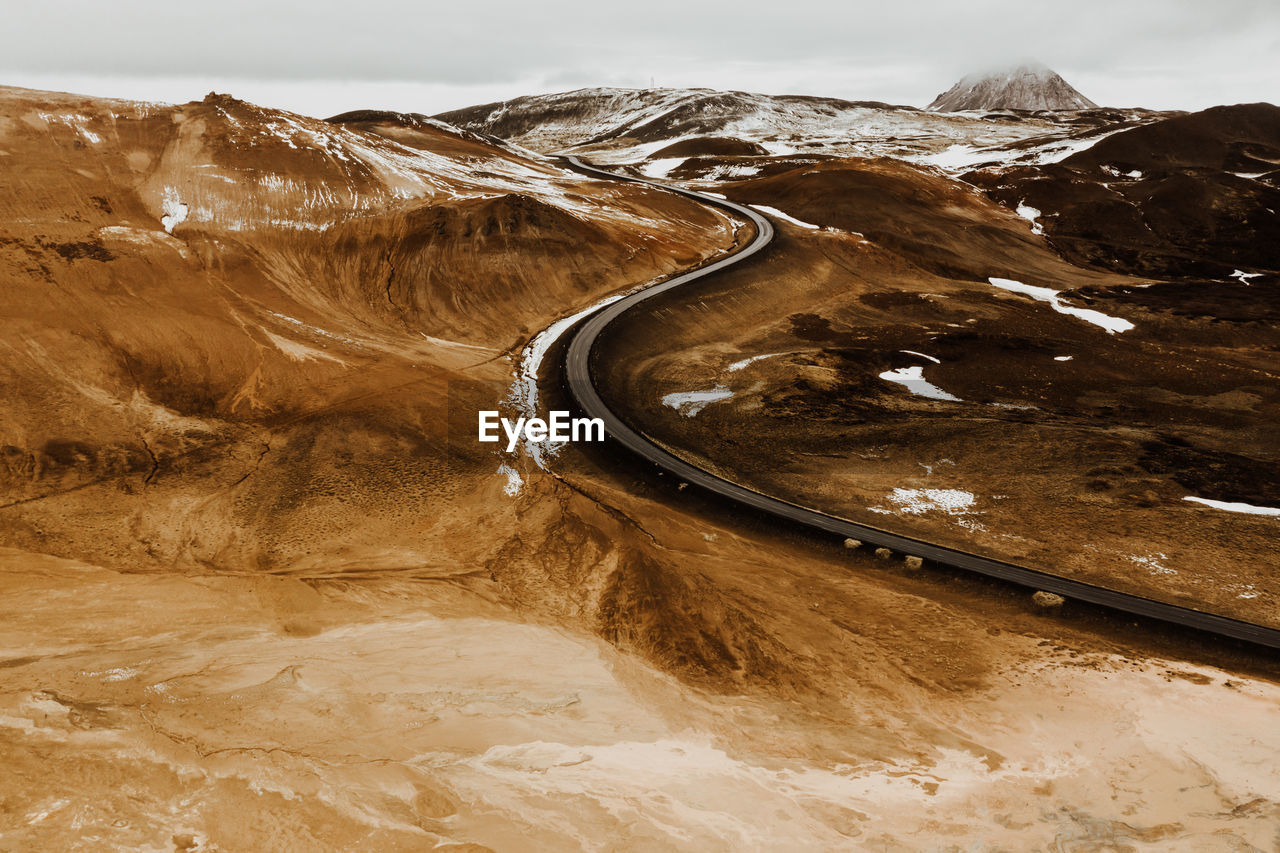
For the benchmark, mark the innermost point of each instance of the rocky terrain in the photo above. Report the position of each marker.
(264, 590)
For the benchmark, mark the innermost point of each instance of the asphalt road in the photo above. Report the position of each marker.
(578, 362)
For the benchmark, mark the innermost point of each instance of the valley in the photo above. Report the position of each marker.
(265, 589)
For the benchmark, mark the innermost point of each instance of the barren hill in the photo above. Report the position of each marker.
(1192, 196)
(237, 327)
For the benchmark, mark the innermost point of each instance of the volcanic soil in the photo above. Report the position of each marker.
(1033, 427)
(263, 589)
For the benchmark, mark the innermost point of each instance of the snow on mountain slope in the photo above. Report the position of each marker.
(645, 120)
(300, 190)
(623, 126)
(1029, 86)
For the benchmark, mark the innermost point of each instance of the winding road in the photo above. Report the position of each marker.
(578, 361)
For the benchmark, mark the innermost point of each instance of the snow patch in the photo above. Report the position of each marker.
(738, 365)
(773, 211)
(1248, 509)
(1031, 214)
(727, 173)
(294, 321)
(1154, 563)
(775, 149)
(174, 211)
(921, 501)
(514, 481)
(957, 157)
(119, 673)
(75, 121)
(1061, 151)
(523, 394)
(956, 503)
(690, 403)
(1116, 173)
(913, 379)
(662, 167)
(1045, 294)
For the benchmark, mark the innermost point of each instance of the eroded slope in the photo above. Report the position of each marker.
(231, 331)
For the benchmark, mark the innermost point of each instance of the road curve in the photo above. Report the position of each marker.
(581, 385)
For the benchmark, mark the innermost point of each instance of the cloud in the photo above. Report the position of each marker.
(1161, 53)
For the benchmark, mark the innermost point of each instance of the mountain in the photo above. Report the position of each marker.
(244, 329)
(587, 116)
(617, 126)
(1029, 86)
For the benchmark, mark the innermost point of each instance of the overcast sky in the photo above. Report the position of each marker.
(324, 56)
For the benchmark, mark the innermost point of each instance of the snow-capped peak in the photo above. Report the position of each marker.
(1028, 86)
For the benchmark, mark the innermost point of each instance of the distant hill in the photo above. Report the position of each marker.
(1237, 138)
(629, 125)
(592, 116)
(1189, 197)
(1030, 86)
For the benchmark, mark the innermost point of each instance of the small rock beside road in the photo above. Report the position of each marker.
(1047, 600)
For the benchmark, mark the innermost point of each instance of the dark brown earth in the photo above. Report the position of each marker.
(1110, 441)
(1239, 138)
(715, 146)
(1188, 197)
